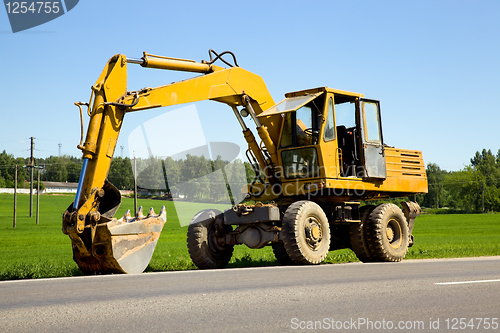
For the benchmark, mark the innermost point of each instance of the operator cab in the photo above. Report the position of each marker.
(348, 140)
(336, 129)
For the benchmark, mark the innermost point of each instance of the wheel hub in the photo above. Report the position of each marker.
(214, 233)
(394, 233)
(390, 234)
(314, 233)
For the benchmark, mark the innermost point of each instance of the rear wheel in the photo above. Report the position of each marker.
(306, 233)
(281, 255)
(203, 242)
(387, 233)
(359, 242)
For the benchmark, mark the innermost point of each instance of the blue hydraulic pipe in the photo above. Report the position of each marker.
(80, 183)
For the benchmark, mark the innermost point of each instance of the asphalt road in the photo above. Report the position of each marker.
(414, 295)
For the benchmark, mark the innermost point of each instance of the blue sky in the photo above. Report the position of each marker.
(434, 65)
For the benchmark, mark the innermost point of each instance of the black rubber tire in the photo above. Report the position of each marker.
(387, 233)
(359, 242)
(305, 232)
(204, 253)
(281, 255)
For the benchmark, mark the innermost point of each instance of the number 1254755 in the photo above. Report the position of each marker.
(33, 7)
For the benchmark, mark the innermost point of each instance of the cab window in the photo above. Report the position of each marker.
(301, 127)
(329, 132)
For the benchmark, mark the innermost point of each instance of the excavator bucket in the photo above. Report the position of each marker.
(127, 244)
(109, 245)
(121, 246)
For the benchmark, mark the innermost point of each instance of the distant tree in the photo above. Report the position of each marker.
(7, 170)
(237, 179)
(54, 169)
(436, 191)
(173, 174)
(463, 186)
(478, 181)
(42, 186)
(486, 163)
(121, 173)
(487, 166)
(150, 174)
(73, 167)
(250, 173)
(218, 185)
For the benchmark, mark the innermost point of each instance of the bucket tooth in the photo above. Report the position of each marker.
(163, 214)
(139, 214)
(127, 217)
(151, 212)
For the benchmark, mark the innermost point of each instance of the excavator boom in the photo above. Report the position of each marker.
(102, 243)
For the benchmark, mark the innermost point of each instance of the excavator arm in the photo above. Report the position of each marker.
(100, 242)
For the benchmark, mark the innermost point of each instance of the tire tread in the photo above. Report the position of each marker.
(358, 235)
(375, 233)
(291, 232)
(202, 257)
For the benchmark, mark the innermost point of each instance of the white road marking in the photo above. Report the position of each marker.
(464, 282)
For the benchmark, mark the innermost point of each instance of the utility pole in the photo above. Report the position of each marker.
(38, 197)
(60, 145)
(15, 198)
(121, 147)
(135, 186)
(31, 165)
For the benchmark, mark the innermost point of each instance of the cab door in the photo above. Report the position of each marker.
(372, 139)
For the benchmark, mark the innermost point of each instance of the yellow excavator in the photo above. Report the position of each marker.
(320, 153)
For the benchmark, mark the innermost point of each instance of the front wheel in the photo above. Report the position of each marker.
(387, 233)
(305, 233)
(204, 232)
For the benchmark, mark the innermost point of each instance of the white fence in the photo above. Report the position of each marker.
(47, 190)
(51, 190)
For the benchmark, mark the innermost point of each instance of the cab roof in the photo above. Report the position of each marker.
(297, 99)
(322, 89)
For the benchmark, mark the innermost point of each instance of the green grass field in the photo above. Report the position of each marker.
(35, 251)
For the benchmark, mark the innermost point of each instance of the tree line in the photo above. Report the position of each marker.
(475, 188)
(54, 168)
(194, 177)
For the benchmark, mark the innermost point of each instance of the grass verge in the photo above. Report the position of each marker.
(41, 251)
